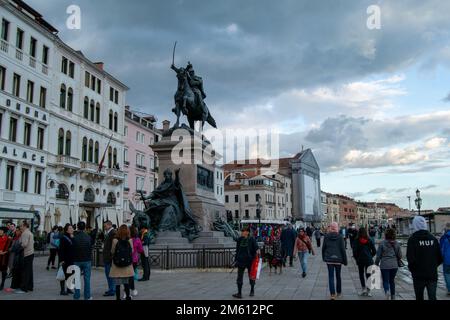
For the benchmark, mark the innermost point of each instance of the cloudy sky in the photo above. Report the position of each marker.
(373, 105)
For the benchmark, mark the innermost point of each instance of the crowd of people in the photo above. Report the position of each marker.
(424, 255)
(124, 248)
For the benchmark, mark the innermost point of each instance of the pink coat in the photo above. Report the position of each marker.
(137, 249)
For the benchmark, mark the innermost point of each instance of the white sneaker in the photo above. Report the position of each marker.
(388, 296)
(369, 294)
(134, 293)
(124, 296)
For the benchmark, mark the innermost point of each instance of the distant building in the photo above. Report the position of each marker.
(219, 185)
(140, 162)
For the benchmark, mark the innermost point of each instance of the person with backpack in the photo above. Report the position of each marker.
(334, 255)
(389, 259)
(66, 255)
(363, 252)
(303, 247)
(424, 257)
(82, 257)
(110, 234)
(445, 249)
(122, 261)
(53, 243)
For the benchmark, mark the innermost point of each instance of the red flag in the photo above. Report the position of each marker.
(100, 166)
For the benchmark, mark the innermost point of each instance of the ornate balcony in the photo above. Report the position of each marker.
(19, 55)
(67, 163)
(115, 176)
(4, 46)
(32, 62)
(90, 170)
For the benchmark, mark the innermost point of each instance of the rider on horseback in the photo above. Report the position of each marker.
(196, 84)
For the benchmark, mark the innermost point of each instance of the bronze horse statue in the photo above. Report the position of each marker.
(189, 99)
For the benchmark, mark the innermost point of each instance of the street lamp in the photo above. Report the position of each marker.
(418, 201)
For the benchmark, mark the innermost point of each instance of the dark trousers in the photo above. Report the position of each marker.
(419, 288)
(126, 289)
(332, 269)
(388, 276)
(363, 275)
(4, 274)
(240, 278)
(27, 274)
(318, 242)
(146, 266)
(52, 257)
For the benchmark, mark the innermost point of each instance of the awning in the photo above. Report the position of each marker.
(7, 213)
(95, 205)
(266, 221)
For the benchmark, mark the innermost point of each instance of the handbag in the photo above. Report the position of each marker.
(60, 276)
(400, 262)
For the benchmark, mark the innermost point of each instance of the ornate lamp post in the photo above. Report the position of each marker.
(418, 201)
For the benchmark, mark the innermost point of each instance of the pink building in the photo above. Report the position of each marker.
(140, 162)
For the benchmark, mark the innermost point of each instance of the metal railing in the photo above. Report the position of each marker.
(203, 258)
(67, 160)
(4, 46)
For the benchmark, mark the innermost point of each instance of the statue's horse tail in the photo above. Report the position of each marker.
(211, 121)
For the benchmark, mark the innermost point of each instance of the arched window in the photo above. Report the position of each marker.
(89, 195)
(92, 108)
(70, 99)
(110, 157)
(96, 152)
(68, 143)
(62, 96)
(110, 120)
(86, 108)
(114, 157)
(84, 150)
(91, 150)
(61, 142)
(62, 192)
(111, 199)
(97, 113)
(116, 119)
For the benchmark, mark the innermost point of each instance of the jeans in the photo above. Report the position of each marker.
(446, 271)
(27, 273)
(363, 275)
(52, 257)
(303, 258)
(331, 269)
(388, 276)
(111, 286)
(420, 285)
(146, 266)
(318, 242)
(240, 278)
(85, 267)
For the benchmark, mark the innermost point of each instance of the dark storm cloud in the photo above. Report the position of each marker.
(247, 51)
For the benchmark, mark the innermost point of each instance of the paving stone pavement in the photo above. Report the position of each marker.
(220, 284)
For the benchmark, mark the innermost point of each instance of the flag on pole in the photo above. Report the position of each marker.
(100, 166)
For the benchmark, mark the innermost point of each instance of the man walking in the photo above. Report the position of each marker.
(445, 249)
(288, 237)
(145, 239)
(424, 257)
(110, 233)
(352, 233)
(318, 236)
(83, 259)
(246, 249)
(27, 243)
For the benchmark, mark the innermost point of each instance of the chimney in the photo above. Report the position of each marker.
(99, 65)
(166, 125)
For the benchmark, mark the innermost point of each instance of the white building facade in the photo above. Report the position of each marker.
(219, 191)
(72, 111)
(25, 85)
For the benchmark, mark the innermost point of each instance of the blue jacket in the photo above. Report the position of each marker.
(445, 247)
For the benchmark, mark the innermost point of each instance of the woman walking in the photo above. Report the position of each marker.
(122, 264)
(66, 254)
(303, 247)
(137, 251)
(334, 255)
(389, 255)
(363, 252)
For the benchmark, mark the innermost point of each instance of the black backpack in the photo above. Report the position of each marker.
(122, 254)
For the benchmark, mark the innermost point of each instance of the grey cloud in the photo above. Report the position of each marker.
(278, 45)
(378, 191)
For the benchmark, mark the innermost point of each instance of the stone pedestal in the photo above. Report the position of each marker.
(171, 240)
(186, 150)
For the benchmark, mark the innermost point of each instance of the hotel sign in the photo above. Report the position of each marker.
(21, 154)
